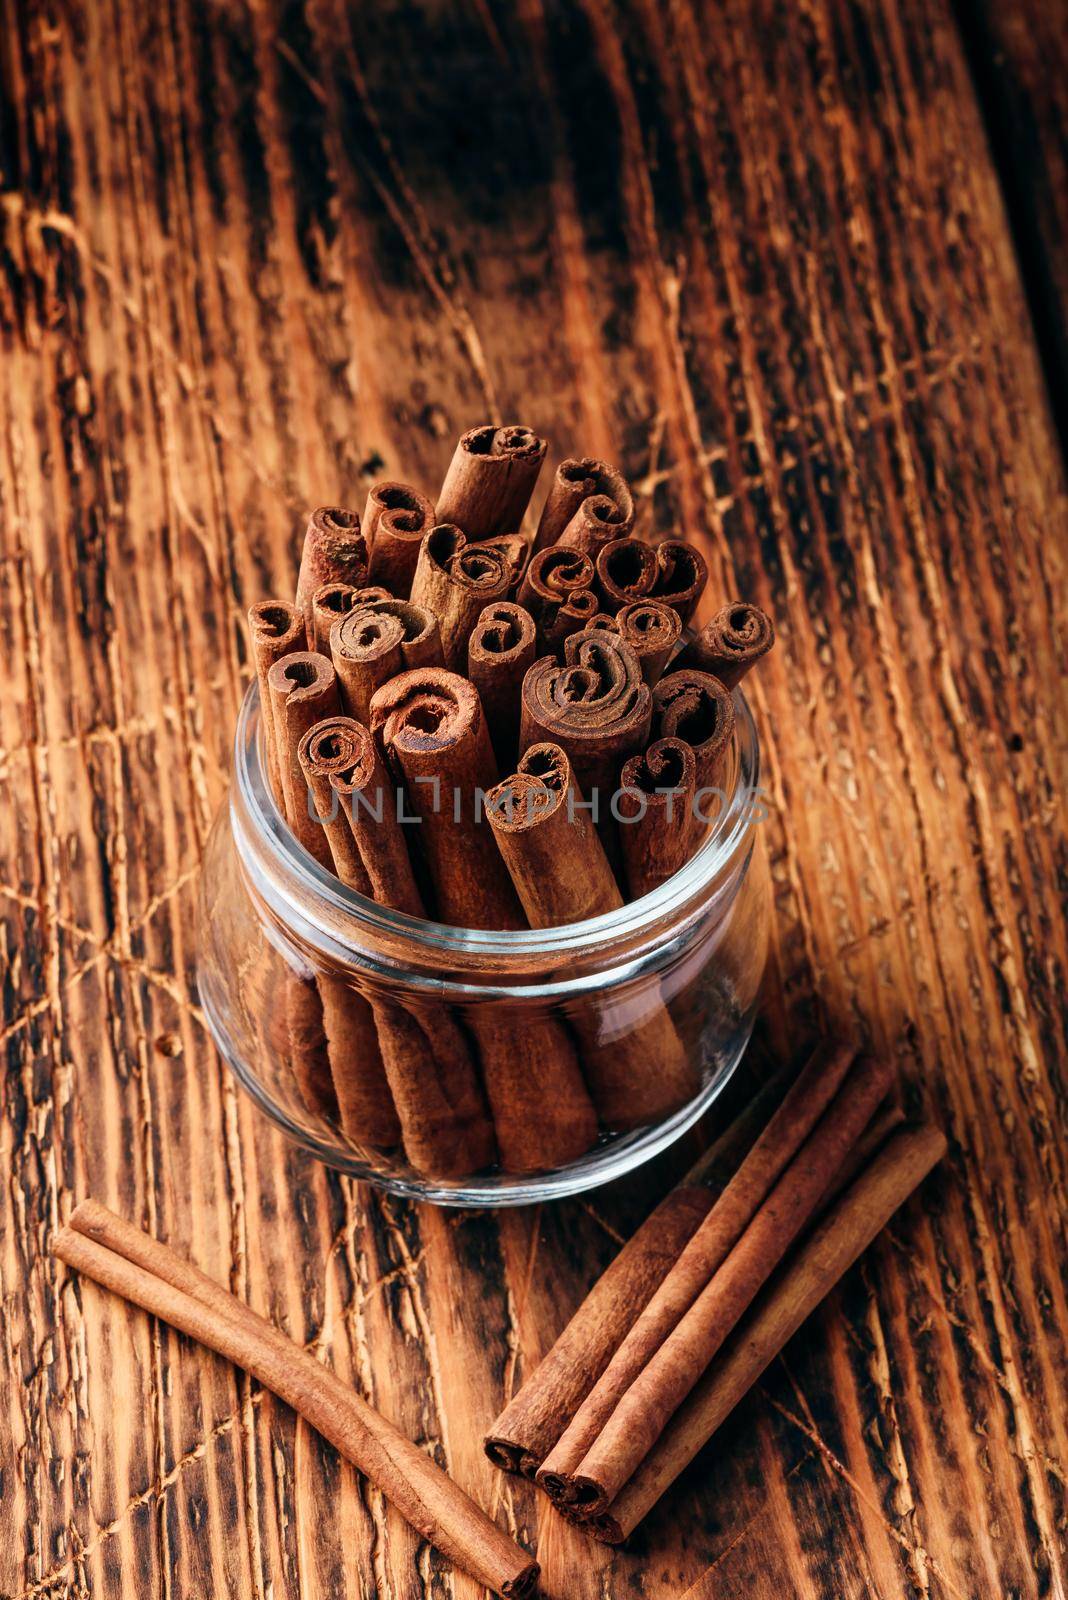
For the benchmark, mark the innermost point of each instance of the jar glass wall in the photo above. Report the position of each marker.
(406, 1052)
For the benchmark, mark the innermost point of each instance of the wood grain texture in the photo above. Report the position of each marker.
(252, 259)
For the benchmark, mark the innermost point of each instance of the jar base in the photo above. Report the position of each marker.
(613, 1157)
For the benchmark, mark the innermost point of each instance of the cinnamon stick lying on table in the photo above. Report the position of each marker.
(335, 551)
(120, 1257)
(533, 1420)
(396, 519)
(850, 1224)
(733, 642)
(275, 629)
(696, 708)
(499, 651)
(673, 1367)
(455, 580)
(378, 639)
(490, 480)
(658, 830)
(641, 1071)
(432, 726)
(765, 1162)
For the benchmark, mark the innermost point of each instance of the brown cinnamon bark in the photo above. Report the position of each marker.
(130, 1263)
(378, 639)
(533, 1420)
(596, 706)
(396, 519)
(735, 639)
(657, 831)
(329, 604)
(335, 551)
(303, 690)
(576, 613)
(514, 550)
(673, 572)
(670, 1374)
(552, 575)
(499, 651)
(275, 629)
(726, 1222)
(652, 631)
(696, 708)
(576, 481)
(561, 874)
(804, 1280)
(490, 480)
(455, 580)
(602, 516)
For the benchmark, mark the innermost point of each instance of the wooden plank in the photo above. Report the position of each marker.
(253, 257)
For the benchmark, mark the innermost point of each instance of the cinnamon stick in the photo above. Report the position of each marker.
(335, 551)
(596, 706)
(396, 519)
(275, 629)
(804, 1280)
(712, 1242)
(553, 575)
(490, 480)
(575, 482)
(533, 1420)
(652, 630)
(378, 639)
(735, 639)
(432, 725)
(673, 572)
(514, 551)
(696, 708)
(130, 1263)
(672, 1371)
(329, 604)
(455, 580)
(657, 828)
(601, 517)
(426, 1062)
(636, 1067)
(303, 690)
(499, 651)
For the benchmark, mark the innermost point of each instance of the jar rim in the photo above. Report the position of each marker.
(297, 879)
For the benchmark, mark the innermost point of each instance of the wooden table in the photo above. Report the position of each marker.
(255, 257)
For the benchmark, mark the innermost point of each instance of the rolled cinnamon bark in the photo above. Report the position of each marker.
(431, 727)
(561, 874)
(357, 799)
(514, 551)
(652, 631)
(532, 1422)
(735, 639)
(396, 519)
(426, 1061)
(552, 575)
(673, 572)
(490, 480)
(378, 639)
(576, 613)
(499, 651)
(275, 629)
(575, 482)
(109, 1250)
(670, 1374)
(601, 517)
(704, 1254)
(657, 828)
(455, 580)
(596, 706)
(696, 708)
(335, 551)
(329, 604)
(303, 690)
(805, 1279)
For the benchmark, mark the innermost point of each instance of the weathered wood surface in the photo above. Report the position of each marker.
(254, 256)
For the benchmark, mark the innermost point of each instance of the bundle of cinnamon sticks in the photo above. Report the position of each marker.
(510, 689)
(710, 1288)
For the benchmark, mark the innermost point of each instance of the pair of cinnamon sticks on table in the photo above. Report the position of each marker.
(675, 1332)
(428, 652)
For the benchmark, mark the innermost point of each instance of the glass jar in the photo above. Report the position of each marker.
(283, 944)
